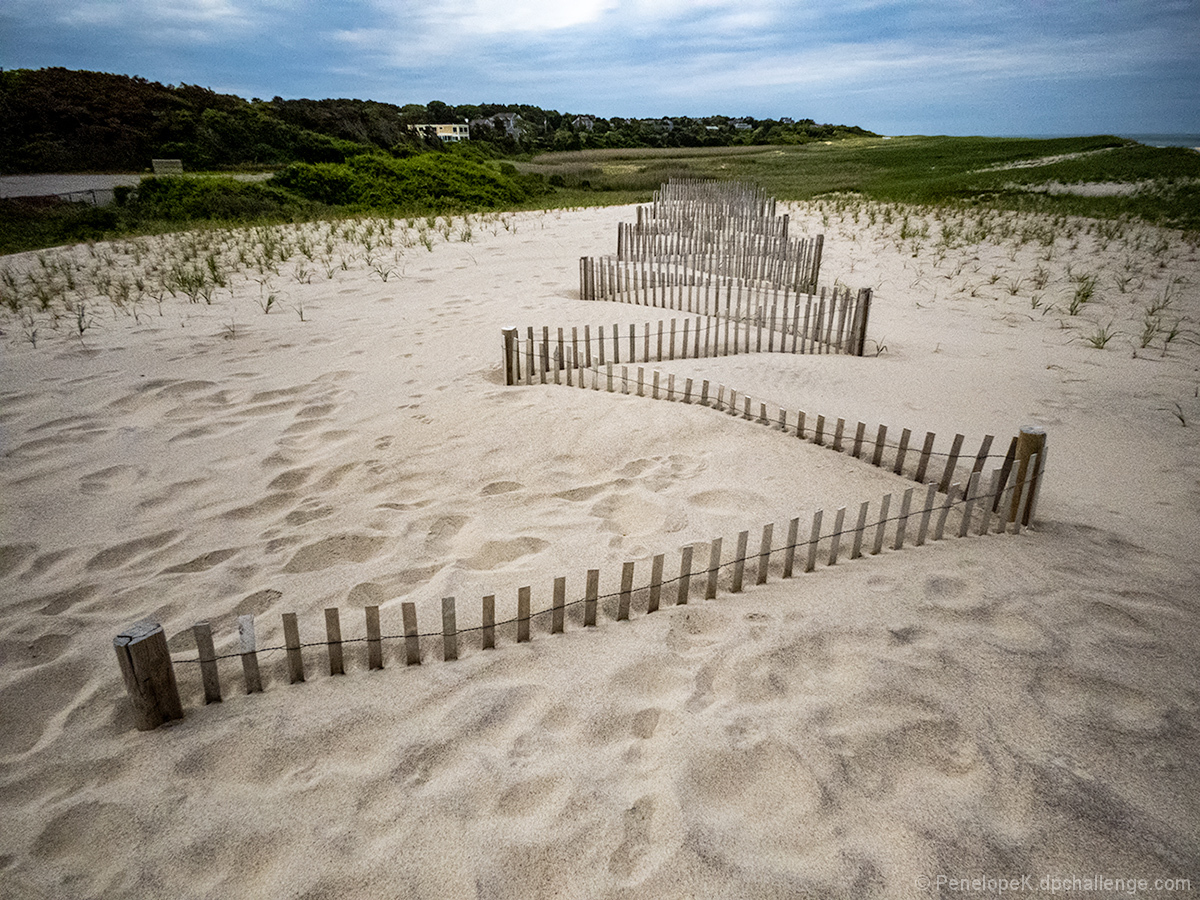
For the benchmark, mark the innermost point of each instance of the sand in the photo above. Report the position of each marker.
(1018, 706)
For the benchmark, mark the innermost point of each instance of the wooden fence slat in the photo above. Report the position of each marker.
(944, 512)
(837, 434)
(789, 552)
(449, 630)
(951, 463)
(982, 456)
(902, 523)
(202, 632)
(1035, 491)
(626, 592)
(291, 637)
(1026, 491)
(558, 605)
(814, 540)
(881, 528)
(902, 450)
(880, 438)
(522, 615)
(856, 549)
(488, 632)
(739, 562)
(859, 434)
(1005, 471)
(764, 553)
(714, 568)
(926, 451)
(971, 495)
(374, 638)
(926, 513)
(656, 577)
(249, 653)
(412, 640)
(685, 575)
(333, 641)
(591, 598)
(839, 520)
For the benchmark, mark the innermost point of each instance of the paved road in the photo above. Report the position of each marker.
(45, 185)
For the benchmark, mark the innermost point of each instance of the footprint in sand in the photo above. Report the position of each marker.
(494, 554)
(500, 487)
(334, 551)
(120, 554)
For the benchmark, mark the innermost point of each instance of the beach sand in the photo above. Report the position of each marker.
(995, 707)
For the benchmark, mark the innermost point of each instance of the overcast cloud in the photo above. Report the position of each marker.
(999, 67)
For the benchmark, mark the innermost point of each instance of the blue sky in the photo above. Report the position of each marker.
(921, 67)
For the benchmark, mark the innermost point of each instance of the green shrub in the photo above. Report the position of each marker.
(429, 181)
(189, 199)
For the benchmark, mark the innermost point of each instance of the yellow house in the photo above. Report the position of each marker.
(452, 132)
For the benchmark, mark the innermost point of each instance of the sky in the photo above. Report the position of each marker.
(988, 67)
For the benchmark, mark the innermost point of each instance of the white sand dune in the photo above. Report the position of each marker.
(1019, 705)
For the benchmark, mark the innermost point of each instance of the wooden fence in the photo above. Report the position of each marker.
(1001, 501)
(956, 495)
(829, 322)
(704, 236)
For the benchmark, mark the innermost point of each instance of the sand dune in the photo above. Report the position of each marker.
(977, 707)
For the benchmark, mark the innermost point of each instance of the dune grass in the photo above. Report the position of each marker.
(1003, 173)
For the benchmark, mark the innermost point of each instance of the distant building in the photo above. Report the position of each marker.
(509, 123)
(742, 126)
(450, 132)
(787, 120)
(583, 123)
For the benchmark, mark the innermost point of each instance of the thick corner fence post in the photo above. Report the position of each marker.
(149, 677)
(1030, 442)
(512, 357)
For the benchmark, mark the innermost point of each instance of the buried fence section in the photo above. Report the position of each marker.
(1009, 503)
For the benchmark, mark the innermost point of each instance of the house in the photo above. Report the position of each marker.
(742, 126)
(510, 123)
(449, 132)
(452, 132)
(583, 123)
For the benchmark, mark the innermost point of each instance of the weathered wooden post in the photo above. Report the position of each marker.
(249, 654)
(291, 637)
(374, 638)
(489, 622)
(208, 662)
(149, 676)
(522, 615)
(591, 598)
(412, 640)
(333, 641)
(626, 592)
(558, 605)
(1030, 441)
(512, 357)
(449, 630)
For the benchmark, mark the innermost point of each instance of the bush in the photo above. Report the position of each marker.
(429, 181)
(188, 199)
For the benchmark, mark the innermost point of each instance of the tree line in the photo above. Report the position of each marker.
(62, 120)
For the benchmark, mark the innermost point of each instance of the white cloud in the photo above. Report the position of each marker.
(138, 14)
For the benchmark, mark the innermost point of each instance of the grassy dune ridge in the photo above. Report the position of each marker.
(1002, 172)
(1058, 176)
